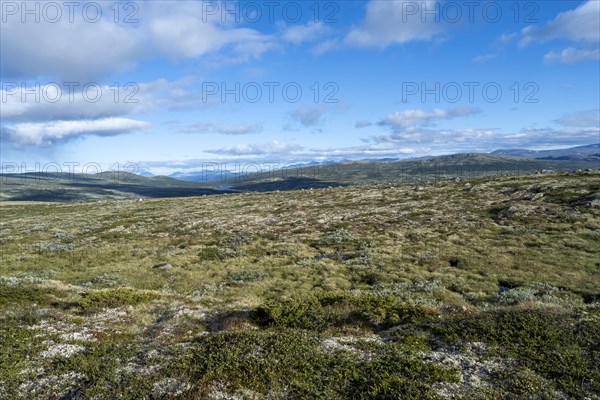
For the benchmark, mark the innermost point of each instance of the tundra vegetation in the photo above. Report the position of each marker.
(483, 289)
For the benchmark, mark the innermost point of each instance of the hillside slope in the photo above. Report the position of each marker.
(464, 166)
(113, 186)
(105, 186)
(589, 153)
(486, 289)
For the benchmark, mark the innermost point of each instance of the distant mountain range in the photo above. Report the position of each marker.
(590, 152)
(116, 186)
(210, 176)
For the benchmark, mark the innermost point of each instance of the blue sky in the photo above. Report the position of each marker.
(173, 85)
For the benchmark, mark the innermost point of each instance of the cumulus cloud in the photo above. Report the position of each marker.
(394, 22)
(76, 50)
(571, 55)
(46, 133)
(82, 50)
(405, 121)
(30, 102)
(414, 128)
(439, 137)
(59, 102)
(578, 25)
(186, 31)
(272, 148)
(298, 34)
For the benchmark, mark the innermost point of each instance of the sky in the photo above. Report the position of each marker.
(175, 86)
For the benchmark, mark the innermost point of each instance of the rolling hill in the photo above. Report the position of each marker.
(486, 289)
(590, 153)
(105, 186)
(111, 186)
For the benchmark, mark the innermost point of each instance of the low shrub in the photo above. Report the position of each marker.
(114, 298)
(327, 310)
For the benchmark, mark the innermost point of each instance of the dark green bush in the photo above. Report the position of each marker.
(114, 298)
(25, 293)
(561, 346)
(293, 362)
(326, 310)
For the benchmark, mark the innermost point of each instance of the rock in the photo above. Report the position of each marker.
(170, 387)
(537, 196)
(594, 201)
(511, 211)
(419, 188)
(532, 196)
(163, 266)
(468, 185)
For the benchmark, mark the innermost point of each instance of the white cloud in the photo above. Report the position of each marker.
(185, 31)
(298, 34)
(273, 148)
(74, 51)
(581, 24)
(507, 37)
(45, 133)
(413, 128)
(571, 55)
(58, 102)
(437, 137)
(239, 129)
(308, 116)
(84, 51)
(394, 22)
(325, 46)
(213, 127)
(581, 119)
(548, 136)
(29, 102)
(405, 121)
